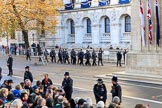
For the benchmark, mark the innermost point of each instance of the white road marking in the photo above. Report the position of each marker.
(129, 97)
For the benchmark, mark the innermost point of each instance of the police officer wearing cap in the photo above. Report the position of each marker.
(116, 88)
(28, 74)
(100, 91)
(67, 85)
(9, 64)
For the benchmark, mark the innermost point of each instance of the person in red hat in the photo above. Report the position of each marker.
(116, 88)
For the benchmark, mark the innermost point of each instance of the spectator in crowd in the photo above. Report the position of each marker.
(9, 64)
(28, 86)
(115, 102)
(17, 103)
(140, 106)
(17, 91)
(46, 82)
(28, 74)
(100, 104)
(116, 89)
(100, 91)
(3, 94)
(10, 84)
(5, 84)
(67, 85)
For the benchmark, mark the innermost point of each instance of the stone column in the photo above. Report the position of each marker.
(115, 34)
(95, 34)
(79, 34)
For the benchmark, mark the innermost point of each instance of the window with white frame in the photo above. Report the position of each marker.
(127, 24)
(72, 27)
(89, 26)
(107, 25)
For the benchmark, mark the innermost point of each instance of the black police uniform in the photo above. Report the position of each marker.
(119, 57)
(9, 64)
(94, 58)
(53, 56)
(67, 85)
(100, 91)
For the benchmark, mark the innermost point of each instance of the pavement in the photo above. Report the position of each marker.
(83, 76)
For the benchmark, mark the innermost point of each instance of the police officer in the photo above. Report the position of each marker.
(94, 58)
(67, 85)
(28, 74)
(119, 57)
(116, 88)
(87, 57)
(100, 57)
(53, 56)
(100, 91)
(9, 64)
(81, 57)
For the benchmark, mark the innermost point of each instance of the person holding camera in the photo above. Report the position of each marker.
(67, 85)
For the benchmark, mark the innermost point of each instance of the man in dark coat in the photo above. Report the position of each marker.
(100, 91)
(87, 57)
(28, 53)
(53, 56)
(100, 57)
(67, 85)
(94, 58)
(81, 57)
(0, 73)
(59, 56)
(9, 64)
(119, 57)
(73, 57)
(116, 88)
(67, 56)
(46, 82)
(28, 74)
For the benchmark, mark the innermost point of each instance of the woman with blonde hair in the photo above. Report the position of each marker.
(3, 94)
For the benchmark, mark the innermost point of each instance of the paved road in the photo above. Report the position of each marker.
(133, 92)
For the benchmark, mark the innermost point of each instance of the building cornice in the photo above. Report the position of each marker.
(95, 8)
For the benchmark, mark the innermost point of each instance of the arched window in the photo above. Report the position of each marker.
(127, 24)
(107, 25)
(88, 25)
(72, 26)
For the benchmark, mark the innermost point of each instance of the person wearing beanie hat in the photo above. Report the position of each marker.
(28, 74)
(100, 91)
(116, 89)
(67, 85)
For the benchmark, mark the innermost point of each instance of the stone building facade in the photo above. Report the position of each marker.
(95, 26)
